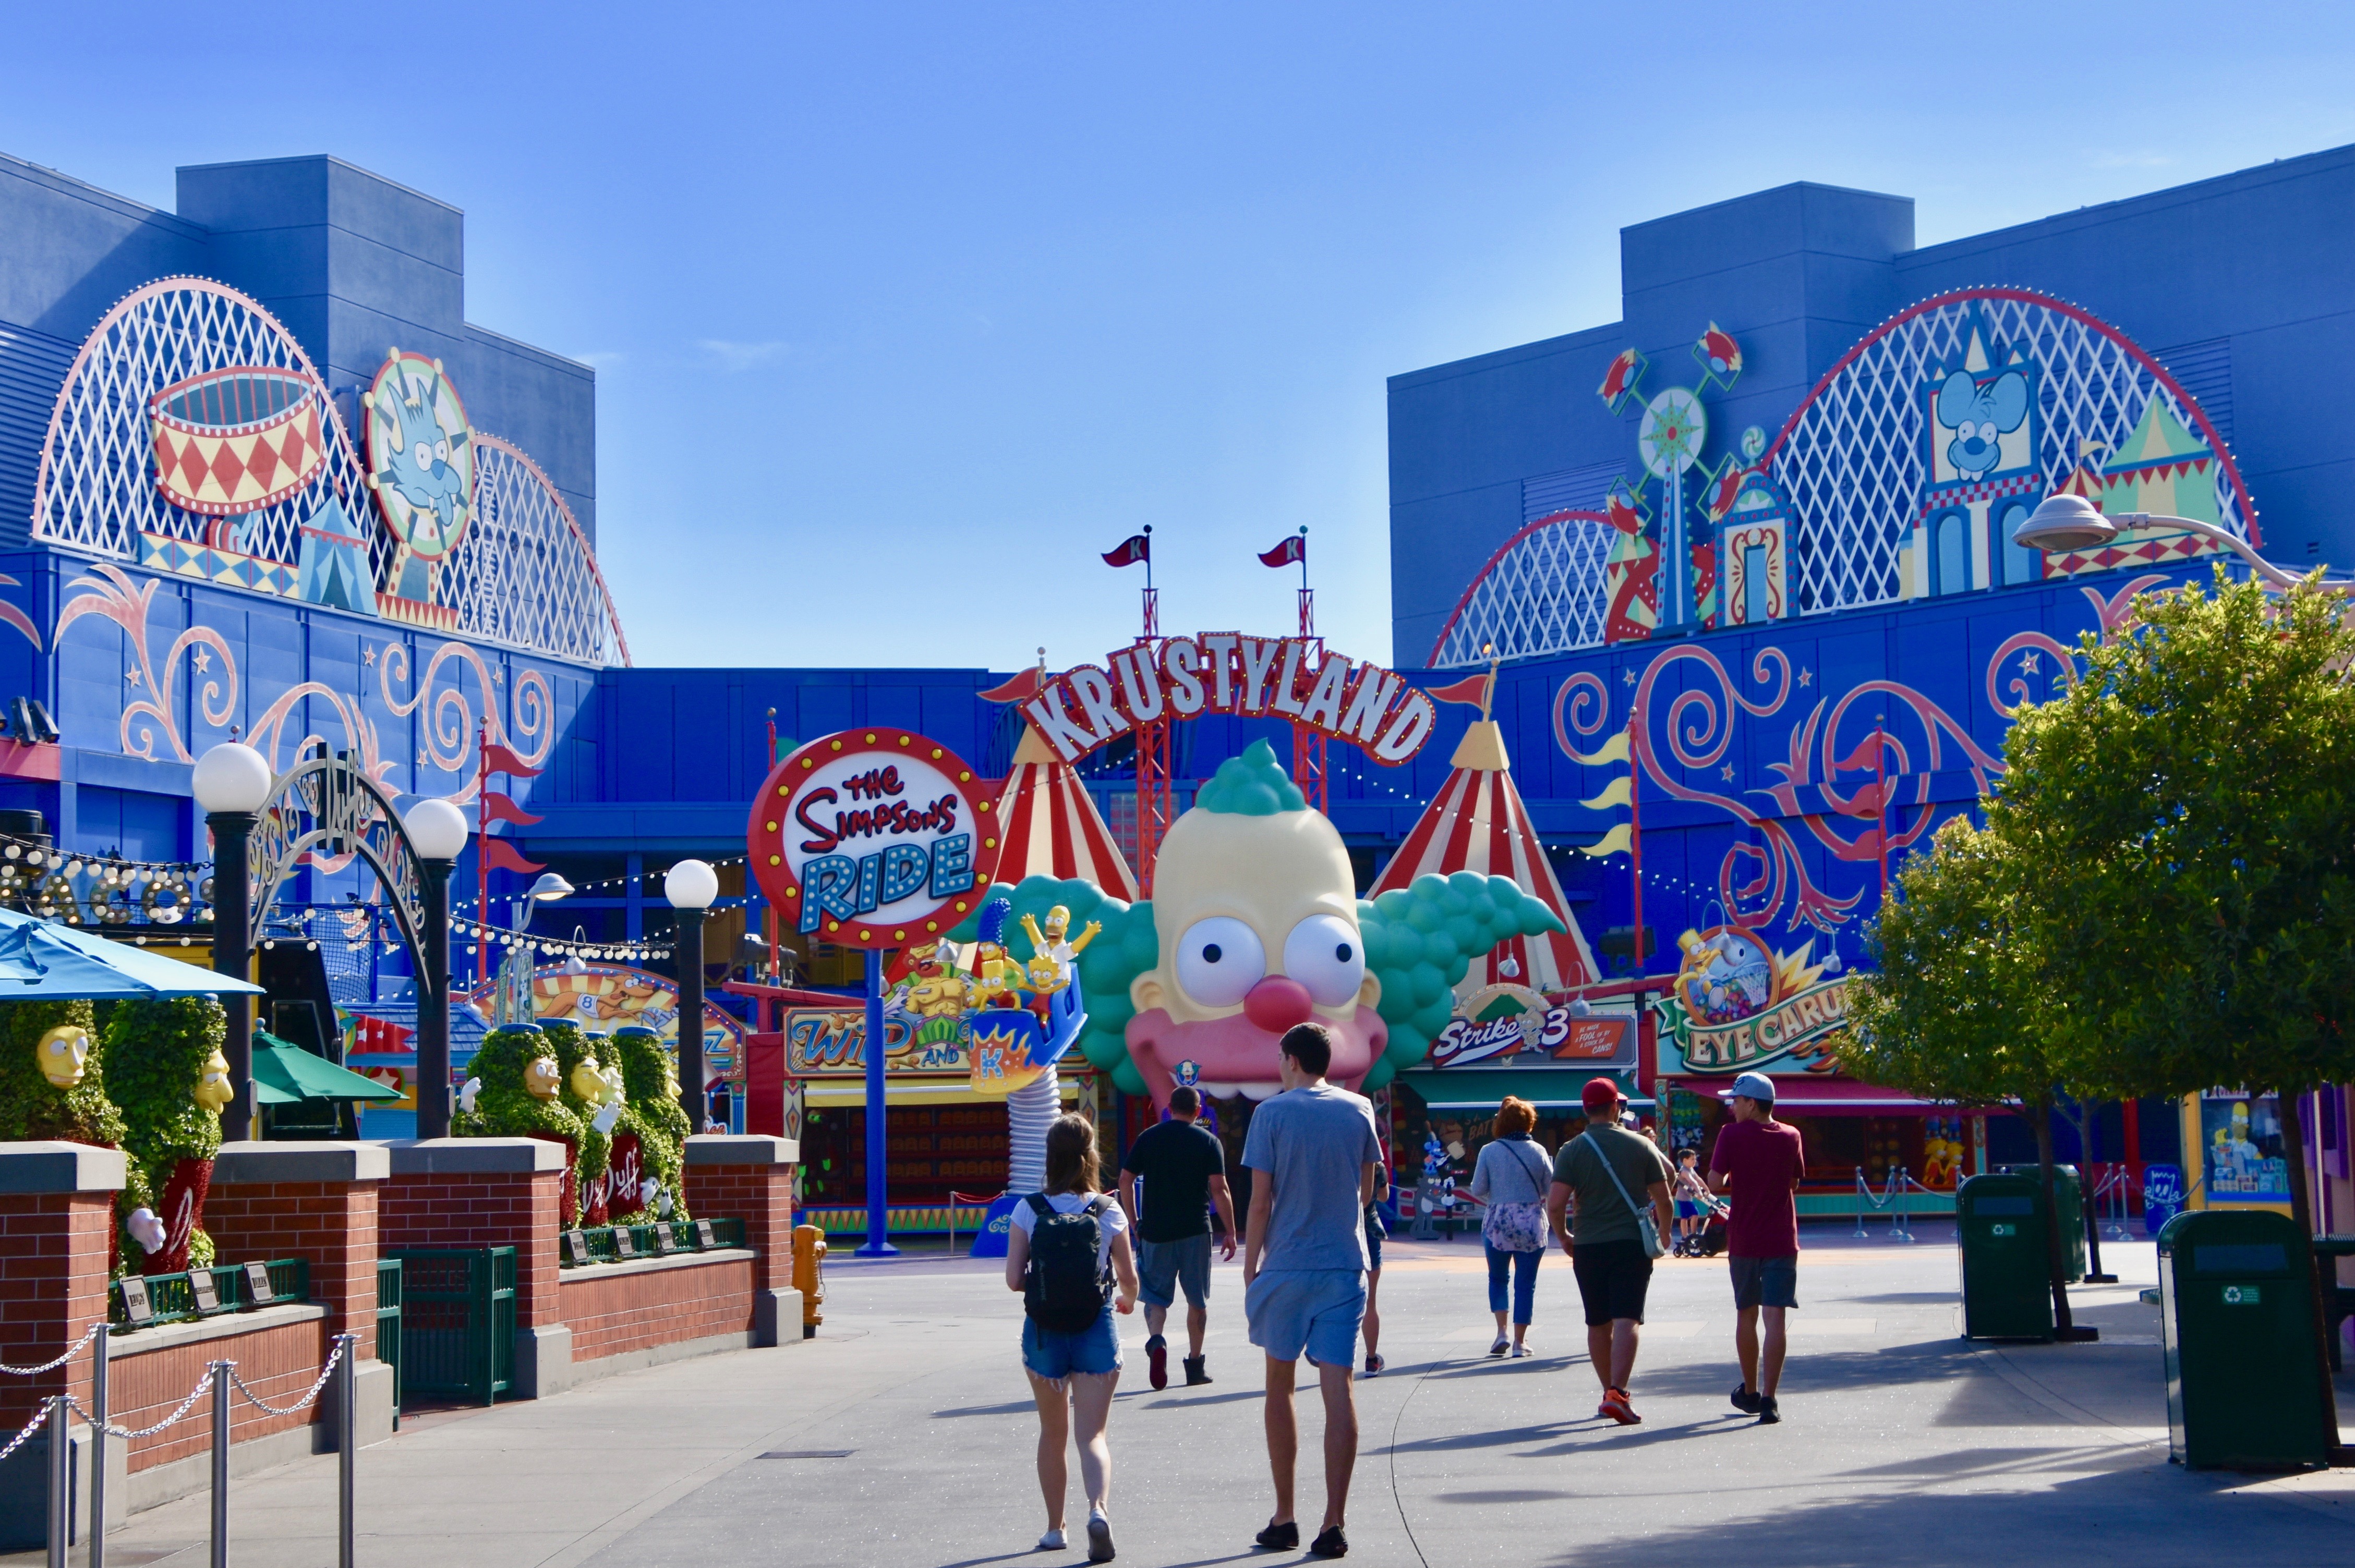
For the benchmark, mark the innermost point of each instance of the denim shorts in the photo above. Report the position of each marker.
(1165, 1267)
(1053, 1356)
(1765, 1281)
(1313, 1309)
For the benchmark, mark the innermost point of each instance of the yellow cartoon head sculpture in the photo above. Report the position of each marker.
(542, 1078)
(213, 1090)
(64, 1054)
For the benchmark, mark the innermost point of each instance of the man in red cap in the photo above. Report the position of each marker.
(1613, 1235)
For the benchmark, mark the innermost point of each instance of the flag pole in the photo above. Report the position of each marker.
(1880, 799)
(1635, 942)
(482, 862)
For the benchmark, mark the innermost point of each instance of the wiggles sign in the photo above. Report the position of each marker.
(1226, 673)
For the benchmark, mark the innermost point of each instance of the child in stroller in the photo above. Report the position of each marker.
(1700, 1214)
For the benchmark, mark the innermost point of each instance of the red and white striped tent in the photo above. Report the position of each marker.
(1048, 826)
(1477, 822)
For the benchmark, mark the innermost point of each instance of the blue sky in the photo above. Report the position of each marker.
(902, 312)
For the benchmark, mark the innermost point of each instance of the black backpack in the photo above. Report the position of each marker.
(1064, 1290)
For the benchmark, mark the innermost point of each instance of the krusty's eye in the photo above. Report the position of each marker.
(1219, 961)
(1326, 954)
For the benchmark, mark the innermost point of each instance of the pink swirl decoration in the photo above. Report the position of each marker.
(1588, 701)
(115, 597)
(449, 729)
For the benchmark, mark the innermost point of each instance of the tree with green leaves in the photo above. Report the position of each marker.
(1960, 1010)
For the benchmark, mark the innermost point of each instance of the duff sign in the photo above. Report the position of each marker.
(873, 838)
(1226, 673)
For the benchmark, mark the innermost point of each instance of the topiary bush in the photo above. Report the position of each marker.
(652, 1111)
(32, 1109)
(503, 1108)
(157, 1051)
(573, 1047)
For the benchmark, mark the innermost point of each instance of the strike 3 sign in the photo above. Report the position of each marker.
(873, 838)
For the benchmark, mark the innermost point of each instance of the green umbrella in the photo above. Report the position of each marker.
(284, 1074)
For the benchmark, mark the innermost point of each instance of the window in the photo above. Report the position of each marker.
(1754, 611)
(1950, 567)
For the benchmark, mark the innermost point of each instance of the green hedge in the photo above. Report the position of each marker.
(32, 1109)
(156, 1052)
(652, 1111)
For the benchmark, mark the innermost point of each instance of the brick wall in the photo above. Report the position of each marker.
(610, 1314)
(762, 1197)
(278, 1363)
(53, 1265)
(497, 1209)
(332, 1225)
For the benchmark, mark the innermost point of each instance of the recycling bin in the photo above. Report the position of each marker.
(2006, 1279)
(2236, 1319)
(2069, 1192)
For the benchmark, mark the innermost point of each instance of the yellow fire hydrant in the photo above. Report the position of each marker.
(809, 1276)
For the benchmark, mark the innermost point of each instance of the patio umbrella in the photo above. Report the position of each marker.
(284, 1074)
(42, 960)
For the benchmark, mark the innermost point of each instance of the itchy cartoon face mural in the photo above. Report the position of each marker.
(1255, 925)
(1980, 416)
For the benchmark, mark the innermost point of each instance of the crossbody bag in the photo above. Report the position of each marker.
(1517, 1227)
(1646, 1228)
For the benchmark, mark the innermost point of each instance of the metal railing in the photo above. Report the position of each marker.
(458, 1323)
(583, 1249)
(221, 1381)
(150, 1300)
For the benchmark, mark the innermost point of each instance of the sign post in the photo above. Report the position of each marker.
(873, 839)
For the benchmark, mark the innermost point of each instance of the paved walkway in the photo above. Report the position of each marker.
(1902, 1445)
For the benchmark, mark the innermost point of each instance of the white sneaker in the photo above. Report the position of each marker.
(1052, 1541)
(1099, 1537)
(1517, 1351)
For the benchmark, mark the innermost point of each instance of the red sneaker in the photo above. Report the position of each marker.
(1614, 1405)
(1157, 1362)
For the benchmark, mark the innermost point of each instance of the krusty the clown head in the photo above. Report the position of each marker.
(1255, 925)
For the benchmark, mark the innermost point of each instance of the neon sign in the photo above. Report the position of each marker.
(1090, 706)
(873, 838)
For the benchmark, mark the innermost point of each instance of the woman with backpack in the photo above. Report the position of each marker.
(1064, 1251)
(1512, 1177)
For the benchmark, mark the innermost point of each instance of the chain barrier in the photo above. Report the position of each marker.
(86, 1336)
(1894, 1191)
(196, 1393)
(40, 1419)
(300, 1405)
(2110, 1200)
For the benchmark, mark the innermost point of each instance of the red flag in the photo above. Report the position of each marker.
(498, 808)
(1020, 689)
(1472, 692)
(500, 855)
(497, 758)
(1135, 548)
(1294, 548)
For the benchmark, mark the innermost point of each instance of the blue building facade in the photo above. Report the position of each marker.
(1740, 557)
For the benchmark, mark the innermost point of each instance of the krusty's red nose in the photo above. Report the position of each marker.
(1276, 1003)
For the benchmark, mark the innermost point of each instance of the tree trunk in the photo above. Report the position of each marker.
(2056, 1258)
(2082, 1119)
(2301, 1213)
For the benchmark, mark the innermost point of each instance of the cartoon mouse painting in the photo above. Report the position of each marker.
(1980, 416)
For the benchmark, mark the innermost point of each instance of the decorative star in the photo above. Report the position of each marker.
(1806, 677)
(2028, 663)
(202, 658)
(133, 677)
(1628, 675)
(498, 675)
(422, 757)
(1726, 773)
(367, 657)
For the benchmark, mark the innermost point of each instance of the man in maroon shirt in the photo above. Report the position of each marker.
(1758, 1159)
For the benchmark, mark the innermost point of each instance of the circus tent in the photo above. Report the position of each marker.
(1477, 822)
(1049, 827)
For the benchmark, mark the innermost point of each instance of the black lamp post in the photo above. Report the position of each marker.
(437, 834)
(232, 782)
(691, 885)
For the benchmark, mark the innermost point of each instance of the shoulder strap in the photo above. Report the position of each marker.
(1039, 1207)
(1534, 1181)
(1608, 1170)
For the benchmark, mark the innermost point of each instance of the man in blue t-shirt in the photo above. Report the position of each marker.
(1313, 1152)
(1184, 1172)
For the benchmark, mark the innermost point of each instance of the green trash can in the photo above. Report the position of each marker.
(2006, 1279)
(2236, 1318)
(2069, 1192)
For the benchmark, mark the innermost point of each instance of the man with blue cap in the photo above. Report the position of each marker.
(1759, 1161)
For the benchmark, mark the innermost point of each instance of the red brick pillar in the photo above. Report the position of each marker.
(316, 1202)
(752, 1179)
(57, 1217)
(459, 1192)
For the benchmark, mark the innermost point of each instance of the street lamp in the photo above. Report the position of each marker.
(691, 885)
(547, 890)
(232, 782)
(2063, 523)
(437, 834)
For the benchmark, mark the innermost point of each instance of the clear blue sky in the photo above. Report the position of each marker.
(902, 312)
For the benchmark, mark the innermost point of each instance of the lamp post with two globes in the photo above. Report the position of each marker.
(232, 783)
(437, 836)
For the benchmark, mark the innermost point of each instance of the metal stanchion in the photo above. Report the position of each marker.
(98, 1419)
(348, 1427)
(60, 1483)
(220, 1463)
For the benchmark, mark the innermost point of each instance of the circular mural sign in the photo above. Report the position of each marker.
(873, 838)
(421, 464)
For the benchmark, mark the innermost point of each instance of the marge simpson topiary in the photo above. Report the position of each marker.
(160, 1056)
(1254, 926)
(35, 1105)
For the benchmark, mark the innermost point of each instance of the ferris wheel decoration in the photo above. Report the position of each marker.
(1892, 480)
(194, 436)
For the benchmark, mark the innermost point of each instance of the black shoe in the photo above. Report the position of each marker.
(1195, 1375)
(1744, 1401)
(1331, 1543)
(1157, 1362)
(1769, 1412)
(1285, 1537)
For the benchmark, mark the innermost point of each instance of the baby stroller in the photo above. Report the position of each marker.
(1709, 1240)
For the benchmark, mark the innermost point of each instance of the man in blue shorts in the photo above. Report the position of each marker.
(1314, 1153)
(1184, 1173)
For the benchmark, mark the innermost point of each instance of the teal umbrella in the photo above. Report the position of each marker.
(44, 960)
(285, 1074)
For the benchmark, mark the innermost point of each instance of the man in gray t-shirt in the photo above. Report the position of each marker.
(1313, 1151)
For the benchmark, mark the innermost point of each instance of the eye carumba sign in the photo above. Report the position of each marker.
(1226, 673)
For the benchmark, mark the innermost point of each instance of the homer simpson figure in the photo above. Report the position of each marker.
(1051, 956)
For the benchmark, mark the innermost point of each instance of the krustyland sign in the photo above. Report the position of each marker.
(1091, 706)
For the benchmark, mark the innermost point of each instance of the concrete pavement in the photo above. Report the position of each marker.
(1900, 1445)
